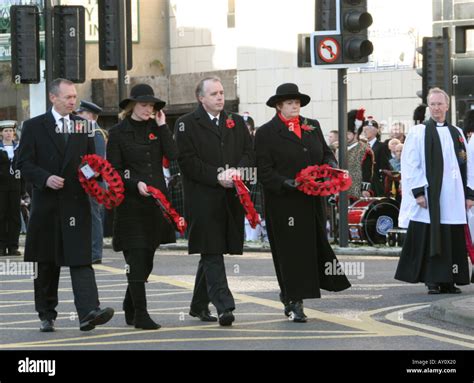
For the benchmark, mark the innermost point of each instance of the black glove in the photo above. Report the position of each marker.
(289, 184)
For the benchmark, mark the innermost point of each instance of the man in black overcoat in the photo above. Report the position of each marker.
(213, 145)
(380, 155)
(59, 230)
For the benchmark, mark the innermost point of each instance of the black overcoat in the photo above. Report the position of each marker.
(136, 151)
(214, 214)
(296, 222)
(381, 163)
(59, 229)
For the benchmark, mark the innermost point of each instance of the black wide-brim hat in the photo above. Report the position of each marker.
(143, 93)
(288, 91)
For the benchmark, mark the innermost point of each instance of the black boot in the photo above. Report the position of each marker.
(286, 304)
(142, 318)
(128, 308)
(296, 312)
(14, 251)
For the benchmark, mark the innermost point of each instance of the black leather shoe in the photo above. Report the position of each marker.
(14, 251)
(47, 325)
(434, 289)
(143, 321)
(96, 318)
(297, 313)
(203, 315)
(97, 262)
(226, 318)
(450, 289)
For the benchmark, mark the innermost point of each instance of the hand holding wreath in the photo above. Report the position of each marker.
(111, 197)
(308, 182)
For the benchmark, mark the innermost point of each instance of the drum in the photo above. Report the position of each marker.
(370, 219)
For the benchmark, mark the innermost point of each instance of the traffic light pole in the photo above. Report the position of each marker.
(447, 68)
(48, 42)
(342, 110)
(122, 52)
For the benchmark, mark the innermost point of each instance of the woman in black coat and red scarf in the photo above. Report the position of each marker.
(135, 149)
(304, 261)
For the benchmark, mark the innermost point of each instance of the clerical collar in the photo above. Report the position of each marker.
(441, 124)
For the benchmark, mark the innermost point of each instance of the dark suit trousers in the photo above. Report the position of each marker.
(211, 285)
(10, 222)
(84, 288)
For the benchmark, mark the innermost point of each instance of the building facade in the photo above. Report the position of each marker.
(252, 46)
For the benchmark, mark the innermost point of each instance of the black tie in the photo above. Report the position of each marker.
(65, 129)
(216, 122)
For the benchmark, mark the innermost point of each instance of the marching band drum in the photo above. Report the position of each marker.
(373, 220)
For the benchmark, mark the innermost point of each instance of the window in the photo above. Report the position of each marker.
(470, 40)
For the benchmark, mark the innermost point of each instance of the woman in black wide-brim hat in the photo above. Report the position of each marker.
(296, 224)
(135, 149)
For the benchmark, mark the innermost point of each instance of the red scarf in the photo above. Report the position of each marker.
(293, 124)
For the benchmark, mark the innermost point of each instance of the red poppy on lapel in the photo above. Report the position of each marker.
(230, 123)
(152, 137)
(306, 127)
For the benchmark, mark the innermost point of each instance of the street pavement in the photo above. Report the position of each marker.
(377, 313)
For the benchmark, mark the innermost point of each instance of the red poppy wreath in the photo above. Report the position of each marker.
(111, 197)
(169, 213)
(246, 202)
(308, 181)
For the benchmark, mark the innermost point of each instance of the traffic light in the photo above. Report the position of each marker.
(325, 43)
(304, 50)
(341, 36)
(436, 67)
(69, 43)
(109, 23)
(356, 48)
(326, 15)
(25, 44)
